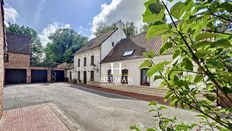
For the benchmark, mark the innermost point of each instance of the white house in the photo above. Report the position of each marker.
(125, 59)
(112, 58)
(87, 67)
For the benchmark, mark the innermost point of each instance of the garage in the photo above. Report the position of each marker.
(15, 76)
(58, 75)
(39, 76)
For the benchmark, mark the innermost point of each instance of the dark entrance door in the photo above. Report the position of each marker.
(144, 77)
(124, 79)
(79, 76)
(15, 76)
(58, 76)
(92, 76)
(85, 77)
(39, 76)
(70, 76)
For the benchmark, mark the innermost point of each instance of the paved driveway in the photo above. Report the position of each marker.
(93, 110)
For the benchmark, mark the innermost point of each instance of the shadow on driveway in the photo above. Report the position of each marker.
(102, 93)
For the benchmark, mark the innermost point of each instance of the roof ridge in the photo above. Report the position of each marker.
(90, 44)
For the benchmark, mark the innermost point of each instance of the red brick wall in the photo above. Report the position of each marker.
(17, 60)
(1, 59)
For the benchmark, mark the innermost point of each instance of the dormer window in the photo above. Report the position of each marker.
(128, 53)
(112, 43)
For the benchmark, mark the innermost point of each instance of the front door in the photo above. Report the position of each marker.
(144, 77)
(124, 79)
(85, 77)
(92, 76)
(70, 76)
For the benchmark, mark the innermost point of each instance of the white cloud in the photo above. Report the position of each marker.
(51, 28)
(125, 10)
(80, 27)
(11, 15)
(38, 11)
(83, 31)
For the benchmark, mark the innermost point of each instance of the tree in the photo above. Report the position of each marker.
(199, 52)
(64, 42)
(128, 27)
(36, 45)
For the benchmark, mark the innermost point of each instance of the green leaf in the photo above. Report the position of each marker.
(162, 108)
(146, 63)
(201, 44)
(173, 102)
(198, 78)
(176, 53)
(152, 110)
(187, 64)
(230, 126)
(210, 97)
(156, 30)
(227, 90)
(178, 10)
(149, 54)
(150, 129)
(154, 12)
(165, 47)
(204, 36)
(157, 77)
(134, 128)
(152, 103)
(227, 6)
(156, 68)
(222, 43)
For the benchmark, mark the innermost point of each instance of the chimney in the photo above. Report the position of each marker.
(119, 24)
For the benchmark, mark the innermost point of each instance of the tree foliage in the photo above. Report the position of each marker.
(64, 42)
(36, 45)
(128, 27)
(201, 52)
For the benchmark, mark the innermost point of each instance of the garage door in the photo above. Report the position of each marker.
(39, 76)
(59, 75)
(15, 76)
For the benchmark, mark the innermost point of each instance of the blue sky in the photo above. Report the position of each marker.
(84, 16)
(39, 13)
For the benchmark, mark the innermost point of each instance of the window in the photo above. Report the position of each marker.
(79, 61)
(128, 53)
(112, 43)
(85, 61)
(6, 58)
(124, 79)
(92, 76)
(110, 76)
(92, 60)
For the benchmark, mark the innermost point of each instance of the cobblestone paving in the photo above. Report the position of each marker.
(32, 118)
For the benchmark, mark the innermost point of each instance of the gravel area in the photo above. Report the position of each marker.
(93, 110)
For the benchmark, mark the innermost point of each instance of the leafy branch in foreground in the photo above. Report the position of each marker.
(201, 52)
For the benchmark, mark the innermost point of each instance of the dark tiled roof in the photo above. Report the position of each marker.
(96, 42)
(18, 43)
(137, 43)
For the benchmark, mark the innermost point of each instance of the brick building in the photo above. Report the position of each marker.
(17, 58)
(2, 41)
(17, 63)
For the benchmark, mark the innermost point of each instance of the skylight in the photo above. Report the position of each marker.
(128, 53)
